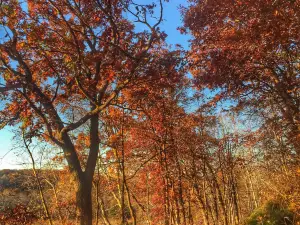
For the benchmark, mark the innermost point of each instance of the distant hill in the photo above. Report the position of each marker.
(15, 179)
(18, 187)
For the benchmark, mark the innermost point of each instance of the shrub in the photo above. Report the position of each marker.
(19, 215)
(272, 213)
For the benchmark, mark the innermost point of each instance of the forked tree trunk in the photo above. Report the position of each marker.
(83, 179)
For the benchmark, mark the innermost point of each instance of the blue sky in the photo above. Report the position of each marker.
(172, 20)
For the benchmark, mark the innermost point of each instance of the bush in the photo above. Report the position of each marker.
(272, 213)
(19, 215)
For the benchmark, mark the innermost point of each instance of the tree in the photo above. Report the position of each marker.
(249, 51)
(63, 62)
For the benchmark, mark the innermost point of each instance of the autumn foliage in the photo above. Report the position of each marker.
(249, 51)
(121, 128)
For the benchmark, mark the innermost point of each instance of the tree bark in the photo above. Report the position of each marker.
(84, 202)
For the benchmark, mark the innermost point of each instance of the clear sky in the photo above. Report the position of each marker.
(172, 20)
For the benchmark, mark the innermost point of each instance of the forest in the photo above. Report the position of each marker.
(116, 126)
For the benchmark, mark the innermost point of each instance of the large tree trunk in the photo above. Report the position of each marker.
(84, 179)
(84, 202)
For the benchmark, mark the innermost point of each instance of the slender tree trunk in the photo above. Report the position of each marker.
(99, 199)
(203, 203)
(252, 191)
(121, 188)
(131, 209)
(122, 168)
(218, 194)
(53, 186)
(104, 214)
(181, 197)
(190, 214)
(42, 196)
(166, 186)
(96, 186)
(204, 210)
(175, 199)
(148, 200)
(235, 200)
(37, 179)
